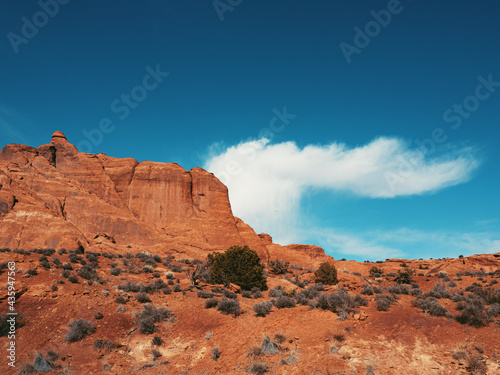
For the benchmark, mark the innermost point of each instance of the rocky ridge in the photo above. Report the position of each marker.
(56, 197)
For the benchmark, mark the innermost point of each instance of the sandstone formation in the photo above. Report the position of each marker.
(54, 196)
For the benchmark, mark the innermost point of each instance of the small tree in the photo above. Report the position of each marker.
(326, 274)
(239, 265)
(405, 276)
(197, 274)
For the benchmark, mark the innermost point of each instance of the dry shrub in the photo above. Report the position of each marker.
(229, 307)
(263, 308)
(384, 301)
(78, 330)
(150, 315)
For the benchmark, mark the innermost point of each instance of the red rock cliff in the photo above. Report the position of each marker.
(55, 196)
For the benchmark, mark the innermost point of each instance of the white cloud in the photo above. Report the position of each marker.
(267, 181)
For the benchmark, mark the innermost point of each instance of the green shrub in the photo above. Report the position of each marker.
(326, 274)
(239, 265)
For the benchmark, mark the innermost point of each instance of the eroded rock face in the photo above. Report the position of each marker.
(55, 196)
(306, 255)
(252, 239)
(266, 238)
(312, 251)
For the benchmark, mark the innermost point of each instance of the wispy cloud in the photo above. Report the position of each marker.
(404, 242)
(267, 181)
(340, 243)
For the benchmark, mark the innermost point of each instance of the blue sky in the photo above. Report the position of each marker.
(370, 128)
